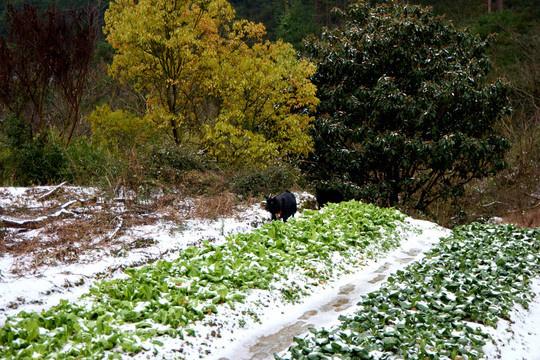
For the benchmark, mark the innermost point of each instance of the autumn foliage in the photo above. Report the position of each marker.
(209, 79)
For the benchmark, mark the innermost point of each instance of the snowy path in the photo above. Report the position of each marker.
(323, 309)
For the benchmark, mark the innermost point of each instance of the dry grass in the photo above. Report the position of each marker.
(514, 198)
(525, 218)
(64, 240)
(58, 241)
(199, 183)
(215, 206)
(99, 226)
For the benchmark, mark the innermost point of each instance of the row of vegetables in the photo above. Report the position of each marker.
(135, 313)
(439, 307)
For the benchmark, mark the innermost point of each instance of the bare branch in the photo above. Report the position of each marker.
(42, 220)
(50, 192)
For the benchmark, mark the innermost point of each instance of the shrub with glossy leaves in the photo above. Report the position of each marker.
(406, 114)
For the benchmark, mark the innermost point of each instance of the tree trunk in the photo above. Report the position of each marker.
(171, 96)
(488, 6)
(175, 132)
(499, 4)
(74, 120)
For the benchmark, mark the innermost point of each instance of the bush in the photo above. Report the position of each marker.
(30, 161)
(272, 179)
(120, 128)
(167, 163)
(92, 164)
(40, 162)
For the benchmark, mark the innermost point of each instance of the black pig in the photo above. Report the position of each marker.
(282, 206)
(328, 196)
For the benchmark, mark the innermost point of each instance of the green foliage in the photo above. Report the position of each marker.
(91, 164)
(265, 11)
(515, 50)
(120, 128)
(461, 11)
(406, 116)
(104, 51)
(45, 160)
(210, 80)
(434, 308)
(468, 12)
(297, 24)
(181, 159)
(15, 132)
(263, 95)
(508, 27)
(168, 164)
(30, 161)
(40, 162)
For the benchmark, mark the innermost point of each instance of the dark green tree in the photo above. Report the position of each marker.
(407, 115)
(297, 23)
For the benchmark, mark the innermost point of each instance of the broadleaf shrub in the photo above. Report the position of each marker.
(406, 115)
(40, 162)
(168, 163)
(120, 128)
(92, 164)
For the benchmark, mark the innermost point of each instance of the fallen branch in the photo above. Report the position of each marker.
(33, 223)
(50, 192)
(532, 196)
(40, 221)
(494, 203)
(79, 202)
(116, 230)
(533, 207)
(525, 209)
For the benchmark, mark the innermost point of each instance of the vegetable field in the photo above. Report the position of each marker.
(128, 315)
(436, 308)
(439, 307)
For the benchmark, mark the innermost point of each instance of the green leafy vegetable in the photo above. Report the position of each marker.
(429, 311)
(171, 295)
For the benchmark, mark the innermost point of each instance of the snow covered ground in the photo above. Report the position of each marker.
(239, 337)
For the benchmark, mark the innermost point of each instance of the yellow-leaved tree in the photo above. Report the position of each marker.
(119, 128)
(211, 80)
